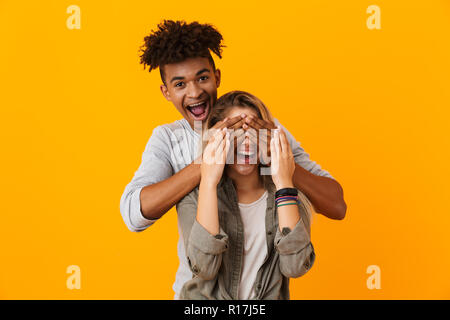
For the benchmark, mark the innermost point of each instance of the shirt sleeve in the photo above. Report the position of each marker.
(155, 167)
(301, 157)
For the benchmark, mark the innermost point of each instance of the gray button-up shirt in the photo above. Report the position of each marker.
(216, 261)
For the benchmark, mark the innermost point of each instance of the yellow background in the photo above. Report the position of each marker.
(370, 106)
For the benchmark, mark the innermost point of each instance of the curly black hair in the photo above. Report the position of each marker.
(176, 41)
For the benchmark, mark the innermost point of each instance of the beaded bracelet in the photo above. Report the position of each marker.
(286, 198)
(285, 204)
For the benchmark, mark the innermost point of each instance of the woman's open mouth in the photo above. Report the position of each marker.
(199, 111)
(246, 157)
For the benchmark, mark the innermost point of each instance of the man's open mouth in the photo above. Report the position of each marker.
(198, 110)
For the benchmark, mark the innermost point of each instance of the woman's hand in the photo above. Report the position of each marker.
(214, 157)
(282, 160)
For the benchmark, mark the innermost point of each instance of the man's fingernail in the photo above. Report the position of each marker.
(243, 115)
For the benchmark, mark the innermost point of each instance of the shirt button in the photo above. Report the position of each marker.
(269, 233)
(195, 269)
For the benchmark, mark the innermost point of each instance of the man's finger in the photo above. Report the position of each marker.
(253, 122)
(231, 122)
(258, 123)
(237, 125)
(239, 135)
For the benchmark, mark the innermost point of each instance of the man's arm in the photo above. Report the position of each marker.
(154, 168)
(326, 194)
(158, 198)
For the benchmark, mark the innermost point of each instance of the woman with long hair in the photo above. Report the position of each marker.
(245, 233)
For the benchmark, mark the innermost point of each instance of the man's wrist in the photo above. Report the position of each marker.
(196, 169)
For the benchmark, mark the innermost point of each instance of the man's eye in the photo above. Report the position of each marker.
(203, 78)
(179, 84)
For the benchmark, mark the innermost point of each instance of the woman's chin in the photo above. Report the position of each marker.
(244, 169)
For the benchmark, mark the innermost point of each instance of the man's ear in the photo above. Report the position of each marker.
(217, 74)
(165, 92)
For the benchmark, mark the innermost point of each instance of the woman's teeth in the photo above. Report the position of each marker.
(246, 153)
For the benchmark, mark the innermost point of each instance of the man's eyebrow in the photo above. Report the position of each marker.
(201, 71)
(197, 74)
(176, 78)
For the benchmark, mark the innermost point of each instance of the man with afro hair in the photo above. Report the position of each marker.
(170, 168)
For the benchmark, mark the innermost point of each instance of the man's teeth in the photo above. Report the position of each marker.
(196, 104)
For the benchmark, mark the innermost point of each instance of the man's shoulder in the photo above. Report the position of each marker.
(163, 135)
(178, 131)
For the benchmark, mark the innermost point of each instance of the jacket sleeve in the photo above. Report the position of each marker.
(203, 250)
(155, 167)
(296, 251)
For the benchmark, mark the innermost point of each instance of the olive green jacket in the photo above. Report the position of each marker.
(216, 261)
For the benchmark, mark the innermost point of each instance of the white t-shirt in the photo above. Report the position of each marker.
(255, 244)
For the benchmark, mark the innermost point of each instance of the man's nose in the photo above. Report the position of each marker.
(193, 90)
